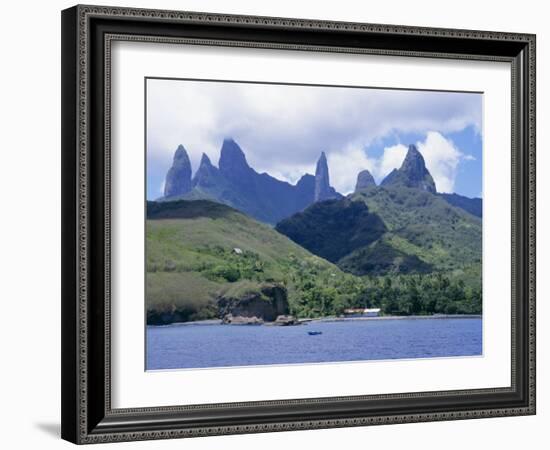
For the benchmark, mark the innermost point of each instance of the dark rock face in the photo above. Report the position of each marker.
(412, 173)
(207, 175)
(391, 178)
(305, 190)
(178, 178)
(266, 305)
(233, 164)
(323, 190)
(364, 180)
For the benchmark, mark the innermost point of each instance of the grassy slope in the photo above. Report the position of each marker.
(188, 241)
(190, 256)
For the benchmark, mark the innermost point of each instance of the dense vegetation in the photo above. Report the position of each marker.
(199, 250)
(472, 205)
(334, 228)
(388, 230)
(395, 295)
(382, 258)
(425, 225)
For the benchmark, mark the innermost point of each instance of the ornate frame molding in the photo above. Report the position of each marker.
(80, 423)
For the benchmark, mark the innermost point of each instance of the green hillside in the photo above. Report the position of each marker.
(332, 229)
(389, 230)
(199, 251)
(425, 225)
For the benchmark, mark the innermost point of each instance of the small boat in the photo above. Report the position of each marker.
(314, 333)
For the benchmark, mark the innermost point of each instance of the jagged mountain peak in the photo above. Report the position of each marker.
(180, 153)
(322, 166)
(205, 161)
(414, 161)
(206, 175)
(412, 173)
(232, 156)
(364, 180)
(178, 178)
(259, 195)
(323, 190)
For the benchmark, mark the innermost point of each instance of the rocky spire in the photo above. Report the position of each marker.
(205, 163)
(206, 174)
(364, 180)
(178, 178)
(412, 173)
(322, 181)
(232, 159)
(234, 167)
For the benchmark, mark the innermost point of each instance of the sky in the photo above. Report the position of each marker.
(283, 129)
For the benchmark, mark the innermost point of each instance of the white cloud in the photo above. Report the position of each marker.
(392, 158)
(442, 158)
(344, 165)
(283, 129)
(441, 155)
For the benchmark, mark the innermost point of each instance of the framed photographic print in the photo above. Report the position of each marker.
(281, 224)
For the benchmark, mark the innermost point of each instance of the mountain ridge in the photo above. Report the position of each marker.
(235, 183)
(421, 232)
(259, 195)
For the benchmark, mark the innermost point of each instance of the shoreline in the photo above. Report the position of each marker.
(307, 320)
(412, 317)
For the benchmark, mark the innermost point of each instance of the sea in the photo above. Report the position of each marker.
(209, 345)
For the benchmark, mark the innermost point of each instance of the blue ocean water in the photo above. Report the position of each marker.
(202, 346)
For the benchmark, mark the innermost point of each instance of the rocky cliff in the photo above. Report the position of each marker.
(266, 304)
(323, 190)
(178, 178)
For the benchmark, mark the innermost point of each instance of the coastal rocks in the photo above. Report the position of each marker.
(178, 178)
(266, 304)
(286, 320)
(364, 180)
(230, 319)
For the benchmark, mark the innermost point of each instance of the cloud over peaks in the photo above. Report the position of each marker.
(441, 155)
(283, 128)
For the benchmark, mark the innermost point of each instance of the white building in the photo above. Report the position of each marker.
(362, 312)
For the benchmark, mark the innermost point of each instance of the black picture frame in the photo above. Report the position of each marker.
(87, 416)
